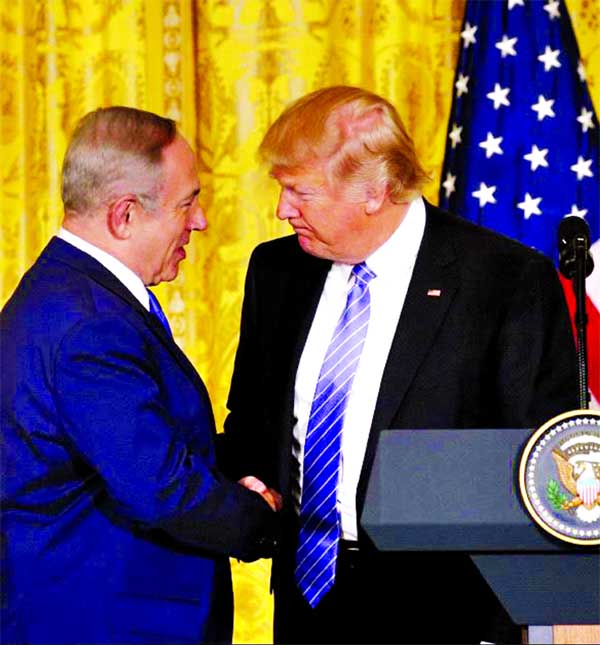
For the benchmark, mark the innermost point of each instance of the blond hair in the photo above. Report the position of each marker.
(357, 133)
(114, 151)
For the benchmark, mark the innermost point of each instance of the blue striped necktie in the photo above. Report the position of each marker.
(156, 309)
(319, 521)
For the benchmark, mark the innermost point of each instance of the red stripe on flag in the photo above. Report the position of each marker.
(593, 336)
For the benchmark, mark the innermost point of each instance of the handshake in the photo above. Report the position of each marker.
(270, 495)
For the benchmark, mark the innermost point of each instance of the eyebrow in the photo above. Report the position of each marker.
(297, 186)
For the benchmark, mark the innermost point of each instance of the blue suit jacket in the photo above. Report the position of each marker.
(117, 524)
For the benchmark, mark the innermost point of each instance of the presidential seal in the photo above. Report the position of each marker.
(559, 477)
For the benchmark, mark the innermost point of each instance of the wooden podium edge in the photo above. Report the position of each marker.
(561, 635)
(577, 634)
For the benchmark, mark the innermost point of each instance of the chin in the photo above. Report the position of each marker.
(306, 244)
(316, 250)
(169, 277)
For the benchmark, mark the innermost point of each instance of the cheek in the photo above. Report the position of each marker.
(172, 238)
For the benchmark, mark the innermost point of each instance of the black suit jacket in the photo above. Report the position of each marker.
(494, 349)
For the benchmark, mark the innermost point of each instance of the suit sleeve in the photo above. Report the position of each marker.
(120, 419)
(237, 446)
(537, 361)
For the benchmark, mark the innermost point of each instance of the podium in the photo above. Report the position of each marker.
(457, 490)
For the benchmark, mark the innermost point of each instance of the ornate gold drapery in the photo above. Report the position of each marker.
(223, 69)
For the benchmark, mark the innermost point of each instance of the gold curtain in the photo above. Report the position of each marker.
(223, 69)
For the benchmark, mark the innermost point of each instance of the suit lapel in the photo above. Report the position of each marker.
(61, 251)
(303, 287)
(309, 278)
(167, 340)
(431, 290)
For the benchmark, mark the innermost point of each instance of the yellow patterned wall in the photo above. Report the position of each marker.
(223, 69)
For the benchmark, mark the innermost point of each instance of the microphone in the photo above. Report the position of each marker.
(574, 244)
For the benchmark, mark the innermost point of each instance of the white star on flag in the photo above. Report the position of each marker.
(582, 168)
(515, 3)
(485, 194)
(576, 212)
(461, 85)
(491, 145)
(537, 157)
(552, 8)
(581, 71)
(585, 118)
(468, 35)
(507, 46)
(549, 58)
(449, 184)
(499, 96)
(455, 135)
(543, 108)
(529, 206)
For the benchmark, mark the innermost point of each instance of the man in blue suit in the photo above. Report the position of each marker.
(117, 524)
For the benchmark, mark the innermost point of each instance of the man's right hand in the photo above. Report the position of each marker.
(270, 495)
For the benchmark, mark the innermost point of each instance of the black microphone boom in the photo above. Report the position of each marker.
(573, 246)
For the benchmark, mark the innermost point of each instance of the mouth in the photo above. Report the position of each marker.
(300, 230)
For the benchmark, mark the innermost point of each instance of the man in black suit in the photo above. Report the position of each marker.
(461, 328)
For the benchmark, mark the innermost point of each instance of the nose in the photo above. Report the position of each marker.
(197, 221)
(285, 208)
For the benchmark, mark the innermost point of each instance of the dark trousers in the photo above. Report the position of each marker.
(393, 598)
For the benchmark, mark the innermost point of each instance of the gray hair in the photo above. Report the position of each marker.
(115, 151)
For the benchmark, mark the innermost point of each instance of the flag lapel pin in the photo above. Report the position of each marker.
(434, 293)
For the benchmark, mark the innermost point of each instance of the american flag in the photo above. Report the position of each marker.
(523, 138)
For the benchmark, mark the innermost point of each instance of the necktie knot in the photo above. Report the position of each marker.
(362, 274)
(157, 311)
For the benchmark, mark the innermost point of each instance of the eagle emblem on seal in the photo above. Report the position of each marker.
(559, 477)
(578, 465)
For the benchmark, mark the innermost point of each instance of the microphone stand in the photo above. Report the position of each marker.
(581, 319)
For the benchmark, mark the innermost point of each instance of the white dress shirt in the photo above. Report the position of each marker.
(123, 273)
(393, 264)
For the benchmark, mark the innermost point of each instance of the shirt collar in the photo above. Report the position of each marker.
(401, 248)
(399, 251)
(123, 273)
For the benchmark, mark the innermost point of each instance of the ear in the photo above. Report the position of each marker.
(376, 195)
(120, 215)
